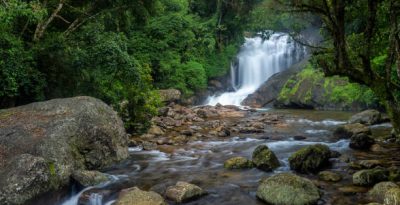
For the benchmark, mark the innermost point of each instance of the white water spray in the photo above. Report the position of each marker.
(257, 61)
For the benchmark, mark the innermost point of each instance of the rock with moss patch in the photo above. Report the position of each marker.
(310, 159)
(379, 190)
(329, 176)
(288, 189)
(263, 158)
(368, 177)
(392, 197)
(238, 163)
(361, 141)
(65, 134)
(89, 178)
(346, 131)
(183, 192)
(135, 196)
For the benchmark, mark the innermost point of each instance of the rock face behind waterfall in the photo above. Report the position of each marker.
(41, 144)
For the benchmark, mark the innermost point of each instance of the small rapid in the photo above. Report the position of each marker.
(259, 59)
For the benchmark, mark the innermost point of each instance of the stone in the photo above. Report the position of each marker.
(155, 130)
(329, 176)
(352, 189)
(42, 144)
(367, 117)
(371, 163)
(288, 189)
(310, 159)
(238, 163)
(349, 130)
(135, 196)
(377, 193)
(361, 141)
(170, 95)
(263, 158)
(89, 178)
(392, 197)
(183, 192)
(368, 177)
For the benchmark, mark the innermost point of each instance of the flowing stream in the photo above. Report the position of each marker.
(258, 60)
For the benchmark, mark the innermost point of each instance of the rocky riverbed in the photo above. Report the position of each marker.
(185, 157)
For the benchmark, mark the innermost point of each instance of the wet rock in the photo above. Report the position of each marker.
(250, 130)
(138, 197)
(392, 197)
(89, 178)
(367, 117)
(170, 95)
(183, 192)
(238, 163)
(394, 173)
(335, 154)
(264, 159)
(377, 148)
(349, 130)
(379, 190)
(288, 189)
(352, 189)
(41, 144)
(94, 196)
(371, 163)
(207, 112)
(329, 176)
(361, 141)
(149, 145)
(310, 159)
(369, 177)
(299, 137)
(373, 203)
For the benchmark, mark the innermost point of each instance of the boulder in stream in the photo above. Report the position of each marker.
(89, 178)
(288, 189)
(368, 177)
(392, 197)
(183, 192)
(135, 196)
(42, 144)
(361, 141)
(264, 159)
(378, 192)
(367, 117)
(329, 176)
(346, 131)
(310, 159)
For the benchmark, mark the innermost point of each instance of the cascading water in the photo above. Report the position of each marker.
(258, 60)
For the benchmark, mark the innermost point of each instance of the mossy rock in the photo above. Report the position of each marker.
(329, 176)
(238, 163)
(392, 197)
(288, 189)
(377, 193)
(368, 177)
(310, 159)
(264, 159)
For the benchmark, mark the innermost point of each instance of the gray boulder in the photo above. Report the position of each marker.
(42, 144)
(183, 192)
(288, 189)
(367, 117)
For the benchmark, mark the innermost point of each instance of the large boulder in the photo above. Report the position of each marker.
(392, 197)
(349, 130)
(89, 178)
(135, 196)
(367, 117)
(310, 159)
(183, 192)
(263, 158)
(170, 95)
(368, 177)
(42, 144)
(288, 189)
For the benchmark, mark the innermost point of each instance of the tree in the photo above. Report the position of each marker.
(361, 44)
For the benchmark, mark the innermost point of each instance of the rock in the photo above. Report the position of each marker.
(368, 177)
(379, 190)
(89, 178)
(373, 203)
(264, 159)
(329, 176)
(135, 196)
(155, 130)
(394, 173)
(361, 141)
(170, 95)
(288, 189)
(310, 159)
(238, 163)
(298, 137)
(371, 163)
(41, 144)
(94, 196)
(216, 84)
(352, 189)
(367, 117)
(392, 197)
(183, 192)
(378, 148)
(349, 130)
(149, 145)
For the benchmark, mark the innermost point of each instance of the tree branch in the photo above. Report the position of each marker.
(41, 27)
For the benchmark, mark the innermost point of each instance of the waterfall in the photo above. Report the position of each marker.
(259, 59)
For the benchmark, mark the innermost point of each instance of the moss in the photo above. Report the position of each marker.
(238, 163)
(310, 159)
(52, 168)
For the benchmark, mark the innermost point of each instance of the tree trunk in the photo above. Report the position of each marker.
(393, 109)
